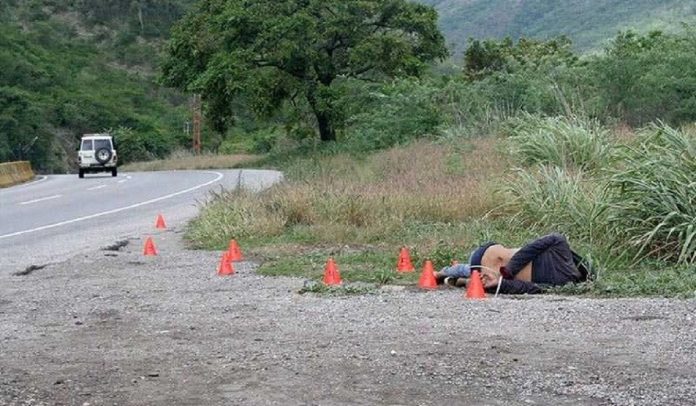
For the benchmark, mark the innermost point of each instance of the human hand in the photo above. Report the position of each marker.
(490, 277)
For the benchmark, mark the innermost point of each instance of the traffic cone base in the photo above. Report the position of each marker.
(474, 289)
(149, 249)
(225, 268)
(427, 278)
(404, 264)
(235, 252)
(159, 223)
(332, 276)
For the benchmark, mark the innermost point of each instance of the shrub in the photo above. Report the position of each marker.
(565, 142)
(642, 78)
(654, 194)
(394, 113)
(141, 146)
(553, 198)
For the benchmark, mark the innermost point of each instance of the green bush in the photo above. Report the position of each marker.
(571, 143)
(645, 78)
(555, 199)
(654, 194)
(141, 145)
(392, 114)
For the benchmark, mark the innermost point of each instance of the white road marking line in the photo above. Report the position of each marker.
(41, 199)
(97, 187)
(33, 182)
(120, 209)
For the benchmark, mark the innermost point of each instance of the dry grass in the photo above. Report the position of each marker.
(337, 199)
(185, 160)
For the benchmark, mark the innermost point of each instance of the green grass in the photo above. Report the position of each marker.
(441, 200)
(654, 195)
(373, 267)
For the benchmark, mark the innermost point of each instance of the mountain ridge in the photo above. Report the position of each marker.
(589, 24)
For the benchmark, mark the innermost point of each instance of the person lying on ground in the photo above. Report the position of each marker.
(544, 262)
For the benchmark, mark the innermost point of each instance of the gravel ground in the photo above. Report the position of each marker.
(117, 328)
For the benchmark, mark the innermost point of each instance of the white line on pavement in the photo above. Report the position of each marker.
(33, 182)
(120, 209)
(41, 199)
(97, 187)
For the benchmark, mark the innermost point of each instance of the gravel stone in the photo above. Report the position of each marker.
(167, 330)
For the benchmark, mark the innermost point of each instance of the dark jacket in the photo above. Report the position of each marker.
(552, 265)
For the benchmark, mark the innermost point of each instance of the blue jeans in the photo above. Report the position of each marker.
(457, 271)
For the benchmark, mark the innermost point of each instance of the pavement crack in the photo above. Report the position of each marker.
(29, 269)
(116, 246)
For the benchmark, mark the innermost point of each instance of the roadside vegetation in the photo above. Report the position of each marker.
(73, 67)
(383, 143)
(186, 160)
(530, 139)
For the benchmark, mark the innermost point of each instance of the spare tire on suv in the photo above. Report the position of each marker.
(97, 153)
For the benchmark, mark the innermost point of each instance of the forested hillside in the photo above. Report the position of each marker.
(74, 66)
(69, 67)
(588, 23)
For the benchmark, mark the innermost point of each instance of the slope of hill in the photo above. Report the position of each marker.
(589, 23)
(69, 67)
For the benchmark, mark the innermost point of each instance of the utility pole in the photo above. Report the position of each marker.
(196, 105)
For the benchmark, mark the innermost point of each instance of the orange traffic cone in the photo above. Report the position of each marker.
(234, 251)
(404, 264)
(331, 274)
(474, 289)
(159, 223)
(149, 249)
(427, 278)
(225, 268)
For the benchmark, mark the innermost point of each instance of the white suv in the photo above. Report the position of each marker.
(97, 153)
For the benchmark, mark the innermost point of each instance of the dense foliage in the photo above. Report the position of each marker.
(588, 23)
(655, 194)
(63, 73)
(269, 52)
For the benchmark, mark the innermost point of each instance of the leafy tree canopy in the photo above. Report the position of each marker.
(483, 58)
(271, 51)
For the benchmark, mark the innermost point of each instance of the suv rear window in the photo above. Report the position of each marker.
(86, 145)
(99, 144)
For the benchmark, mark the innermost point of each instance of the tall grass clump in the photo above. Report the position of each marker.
(654, 194)
(553, 198)
(232, 214)
(566, 142)
(379, 199)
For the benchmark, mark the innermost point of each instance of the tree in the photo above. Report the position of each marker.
(483, 58)
(270, 51)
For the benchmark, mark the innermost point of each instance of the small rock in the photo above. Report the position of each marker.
(393, 352)
(153, 374)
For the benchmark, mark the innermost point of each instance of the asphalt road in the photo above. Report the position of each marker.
(112, 327)
(58, 216)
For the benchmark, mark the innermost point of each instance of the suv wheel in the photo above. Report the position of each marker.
(80, 173)
(114, 172)
(103, 155)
